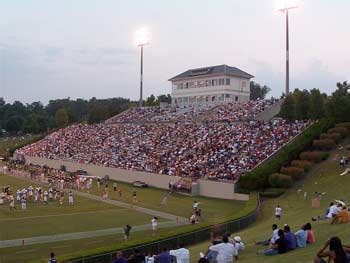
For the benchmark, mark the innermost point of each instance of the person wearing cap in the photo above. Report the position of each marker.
(238, 243)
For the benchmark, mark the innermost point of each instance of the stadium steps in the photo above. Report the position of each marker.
(270, 112)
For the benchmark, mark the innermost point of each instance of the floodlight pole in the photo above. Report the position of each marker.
(141, 76)
(287, 53)
(285, 10)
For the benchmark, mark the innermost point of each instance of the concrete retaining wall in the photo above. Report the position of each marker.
(207, 188)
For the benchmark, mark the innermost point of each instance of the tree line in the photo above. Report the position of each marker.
(304, 104)
(17, 117)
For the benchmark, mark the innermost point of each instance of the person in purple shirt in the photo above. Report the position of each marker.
(119, 258)
(290, 238)
(163, 257)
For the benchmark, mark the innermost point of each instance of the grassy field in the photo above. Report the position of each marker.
(297, 211)
(86, 215)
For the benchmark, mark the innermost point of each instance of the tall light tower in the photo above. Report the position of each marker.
(142, 39)
(285, 6)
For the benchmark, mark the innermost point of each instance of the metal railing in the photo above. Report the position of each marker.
(187, 239)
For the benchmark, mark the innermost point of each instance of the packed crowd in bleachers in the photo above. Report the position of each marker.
(216, 151)
(229, 112)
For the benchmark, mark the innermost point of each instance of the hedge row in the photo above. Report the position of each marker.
(323, 144)
(314, 156)
(295, 172)
(305, 165)
(280, 180)
(259, 177)
(332, 136)
(341, 130)
(272, 192)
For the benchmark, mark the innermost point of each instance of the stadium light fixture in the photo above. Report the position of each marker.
(142, 36)
(284, 6)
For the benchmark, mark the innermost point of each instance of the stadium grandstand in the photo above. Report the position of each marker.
(218, 142)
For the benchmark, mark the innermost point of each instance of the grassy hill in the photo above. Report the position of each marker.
(324, 177)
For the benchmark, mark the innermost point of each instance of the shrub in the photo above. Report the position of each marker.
(258, 178)
(342, 130)
(314, 156)
(332, 136)
(280, 180)
(294, 172)
(306, 165)
(344, 125)
(326, 144)
(272, 192)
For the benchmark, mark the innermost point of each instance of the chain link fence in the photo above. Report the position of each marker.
(184, 239)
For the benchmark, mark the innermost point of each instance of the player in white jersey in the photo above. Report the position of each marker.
(36, 195)
(18, 194)
(12, 203)
(50, 194)
(154, 222)
(24, 202)
(70, 198)
(46, 194)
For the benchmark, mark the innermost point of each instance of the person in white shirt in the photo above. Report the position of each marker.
(226, 251)
(333, 211)
(154, 225)
(70, 198)
(182, 254)
(239, 245)
(273, 238)
(278, 212)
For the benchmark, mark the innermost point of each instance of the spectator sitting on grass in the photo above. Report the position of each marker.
(341, 217)
(163, 257)
(336, 252)
(226, 251)
(290, 238)
(137, 257)
(301, 236)
(273, 238)
(310, 238)
(280, 246)
(119, 258)
(182, 254)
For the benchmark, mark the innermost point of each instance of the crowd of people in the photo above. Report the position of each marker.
(217, 151)
(226, 111)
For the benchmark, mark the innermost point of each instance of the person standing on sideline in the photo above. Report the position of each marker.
(278, 212)
(70, 198)
(52, 258)
(154, 225)
(127, 230)
(114, 186)
(134, 196)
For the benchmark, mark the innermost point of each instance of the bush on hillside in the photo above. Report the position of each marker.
(305, 165)
(325, 144)
(272, 192)
(332, 136)
(342, 130)
(258, 178)
(344, 125)
(280, 180)
(295, 172)
(314, 156)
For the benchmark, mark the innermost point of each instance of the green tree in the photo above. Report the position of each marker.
(257, 91)
(164, 98)
(317, 107)
(151, 101)
(288, 108)
(61, 118)
(338, 105)
(302, 103)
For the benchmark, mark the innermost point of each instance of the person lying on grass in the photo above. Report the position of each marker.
(336, 252)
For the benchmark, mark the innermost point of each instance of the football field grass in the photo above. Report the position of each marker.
(324, 177)
(90, 215)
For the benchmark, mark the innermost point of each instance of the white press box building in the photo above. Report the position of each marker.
(210, 85)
